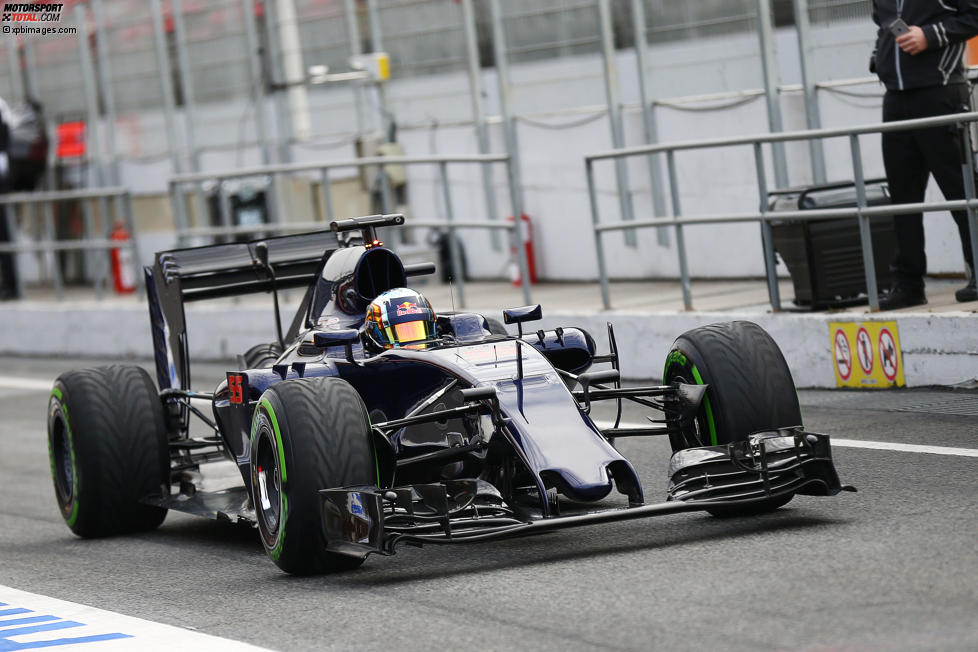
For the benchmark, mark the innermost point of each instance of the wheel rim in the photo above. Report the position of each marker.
(268, 482)
(693, 436)
(63, 467)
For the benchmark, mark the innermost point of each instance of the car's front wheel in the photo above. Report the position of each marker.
(306, 435)
(750, 390)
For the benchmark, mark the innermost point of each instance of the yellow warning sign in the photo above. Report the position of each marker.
(866, 354)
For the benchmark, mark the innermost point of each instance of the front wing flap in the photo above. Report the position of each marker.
(766, 465)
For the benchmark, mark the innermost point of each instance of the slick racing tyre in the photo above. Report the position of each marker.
(261, 356)
(108, 448)
(750, 389)
(306, 435)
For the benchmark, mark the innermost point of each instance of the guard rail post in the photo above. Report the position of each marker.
(12, 234)
(90, 262)
(767, 234)
(865, 232)
(598, 234)
(327, 195)
(51, 235)
(272, 197)
(968, 170)
(457, 272)
(180, 218)
(680, 241)
(224, 205)
(137, 265)
(517, 233)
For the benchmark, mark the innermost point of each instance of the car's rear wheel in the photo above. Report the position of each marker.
(307, 435)
(750, 389)
(108, 450)
(261, 356)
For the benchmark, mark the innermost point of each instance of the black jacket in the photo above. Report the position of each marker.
(947, 25)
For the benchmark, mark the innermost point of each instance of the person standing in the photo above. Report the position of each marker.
(918, 57)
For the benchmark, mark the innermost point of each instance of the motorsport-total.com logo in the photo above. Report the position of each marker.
(31, 12)
(33, 18)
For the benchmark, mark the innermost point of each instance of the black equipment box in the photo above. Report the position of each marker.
(824, 257)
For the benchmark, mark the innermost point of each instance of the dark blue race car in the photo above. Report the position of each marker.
(372, 422)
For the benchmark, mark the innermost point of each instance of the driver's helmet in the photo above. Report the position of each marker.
(399, 317)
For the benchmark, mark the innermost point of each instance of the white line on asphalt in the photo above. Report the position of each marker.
(906, 448)
(9, 382)
(861, 443)
(29, 620)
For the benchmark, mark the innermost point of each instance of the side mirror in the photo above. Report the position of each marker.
(345, 337)
(419, 269)
(342, 337)
(519, 315)
(522, 314)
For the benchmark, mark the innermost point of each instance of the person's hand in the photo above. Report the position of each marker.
(914, 41)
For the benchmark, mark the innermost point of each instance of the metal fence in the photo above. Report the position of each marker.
(764, 216)
(173, 54)
(95, 235)
(219, 180)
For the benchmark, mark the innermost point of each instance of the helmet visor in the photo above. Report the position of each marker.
(411, 331)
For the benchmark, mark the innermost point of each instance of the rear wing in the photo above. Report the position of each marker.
(222, 270)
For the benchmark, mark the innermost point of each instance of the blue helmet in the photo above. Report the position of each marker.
(398, 317)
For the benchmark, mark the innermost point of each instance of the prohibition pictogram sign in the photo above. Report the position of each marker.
(864, 350)
(888, 354)
(843, 354)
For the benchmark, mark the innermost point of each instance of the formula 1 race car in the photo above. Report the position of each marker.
(372, 422)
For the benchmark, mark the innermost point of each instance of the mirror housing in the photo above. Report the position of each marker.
(341, 337)
(419, 269)
(522, 314)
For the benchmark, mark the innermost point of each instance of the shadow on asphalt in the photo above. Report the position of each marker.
(237, 536)
(437, 562)
(433, 562)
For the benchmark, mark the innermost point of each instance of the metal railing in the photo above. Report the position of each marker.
(185, 231)
(764, 216)
(88, 242)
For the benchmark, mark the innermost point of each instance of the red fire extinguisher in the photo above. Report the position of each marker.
(122, 274)
(531, 264)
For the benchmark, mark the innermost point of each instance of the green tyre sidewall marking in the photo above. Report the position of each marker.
(264, 404)
(58, 396)
(680, 358)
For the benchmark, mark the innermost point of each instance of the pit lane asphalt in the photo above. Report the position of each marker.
(893, 567)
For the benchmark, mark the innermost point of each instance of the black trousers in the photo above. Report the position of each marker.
(910, 157)
(8, 266)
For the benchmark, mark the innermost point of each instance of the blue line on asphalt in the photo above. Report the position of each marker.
(46, 627)
(11, 646)
(25, 621)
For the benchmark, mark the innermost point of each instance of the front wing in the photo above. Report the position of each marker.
(358, 521)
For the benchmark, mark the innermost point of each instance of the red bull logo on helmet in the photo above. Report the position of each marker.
(409, 308)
